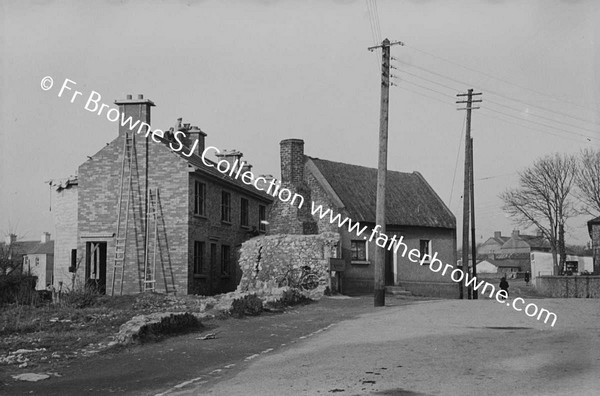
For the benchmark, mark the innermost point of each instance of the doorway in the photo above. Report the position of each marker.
(95, 266)
(389, 268)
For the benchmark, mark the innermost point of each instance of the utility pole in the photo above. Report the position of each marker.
(379, 281)
(465, 235)
(472, 200)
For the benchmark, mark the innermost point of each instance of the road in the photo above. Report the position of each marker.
(434, 348)
(348, 347)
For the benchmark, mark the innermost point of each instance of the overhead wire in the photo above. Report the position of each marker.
(560, 100)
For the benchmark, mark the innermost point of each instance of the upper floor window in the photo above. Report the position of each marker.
(200, 198)
(226, 206)
(244, 221)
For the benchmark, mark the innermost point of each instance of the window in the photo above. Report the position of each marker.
(425, 249)
(244, 212)
(226, 206)
(199, 267)
(262, 216)
(199, 198)
(225, 260)
(359, 250)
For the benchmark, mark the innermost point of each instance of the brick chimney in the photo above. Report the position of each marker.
(515, 234)
(498, 234)
(10, 239)
(196, 134)
(284, 217)
(45, 237)
(137, 109)
(231, 156)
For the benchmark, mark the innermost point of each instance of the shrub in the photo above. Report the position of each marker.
(249, 305)
(82, 298)
(18, 288)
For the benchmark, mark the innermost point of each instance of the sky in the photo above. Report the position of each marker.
(252, 73)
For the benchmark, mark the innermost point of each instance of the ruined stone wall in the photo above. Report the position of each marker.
(264, 259)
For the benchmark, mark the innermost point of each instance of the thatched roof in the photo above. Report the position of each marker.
(410, 200)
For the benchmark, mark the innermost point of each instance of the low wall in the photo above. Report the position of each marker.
(265, 258)
(569, 286)
(432, 289)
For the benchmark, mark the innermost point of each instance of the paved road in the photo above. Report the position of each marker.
(159, 367)
(433, 348)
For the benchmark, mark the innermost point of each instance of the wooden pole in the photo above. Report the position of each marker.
(379, 281)
(472, 201)
(465, 234)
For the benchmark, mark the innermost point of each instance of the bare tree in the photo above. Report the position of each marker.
(588, 180)
(543, 199)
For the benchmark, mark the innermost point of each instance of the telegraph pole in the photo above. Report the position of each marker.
(466, 194)
(472, 200)
(379, 281)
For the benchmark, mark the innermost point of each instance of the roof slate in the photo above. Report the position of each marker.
(410, 201)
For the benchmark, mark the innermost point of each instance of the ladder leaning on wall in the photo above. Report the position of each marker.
(152, 218)
(126, 190)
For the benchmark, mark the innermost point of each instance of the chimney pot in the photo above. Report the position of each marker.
(10, 239)
(186, 126)
(45, 237)
(129, 97)
(140, 96)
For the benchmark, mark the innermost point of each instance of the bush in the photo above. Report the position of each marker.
(249, 305)
(18, 288)
(81, 298)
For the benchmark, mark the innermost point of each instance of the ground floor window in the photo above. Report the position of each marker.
(359, 250)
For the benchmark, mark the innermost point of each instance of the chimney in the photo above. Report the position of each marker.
(497, 234)
(515, 234)
(10, 239)
(137, 109)
(292, 160)
(196, 134)
(231, 156)
(45, 237)
(539, 233)
(265, 185)
(246, 168)
(297, 220)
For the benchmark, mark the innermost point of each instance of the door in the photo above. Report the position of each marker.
(95, 266)
(389, 267)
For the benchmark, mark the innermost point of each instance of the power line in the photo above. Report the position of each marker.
(462, 132)
(560, 100)
(545, 118)
(539, 123)
(493, 92)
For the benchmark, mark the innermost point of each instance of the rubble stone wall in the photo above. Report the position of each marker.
(266, 259)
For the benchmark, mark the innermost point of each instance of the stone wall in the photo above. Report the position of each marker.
(264, 259)
(569, 286)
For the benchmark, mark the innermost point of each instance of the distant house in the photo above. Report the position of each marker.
(486, 267)
(594, 230)
(413, 211)
(543, 264)
(492, 245)
(36, 257)
(511, 254)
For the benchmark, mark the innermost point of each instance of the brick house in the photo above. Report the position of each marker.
(413, 211)
(202, 216)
